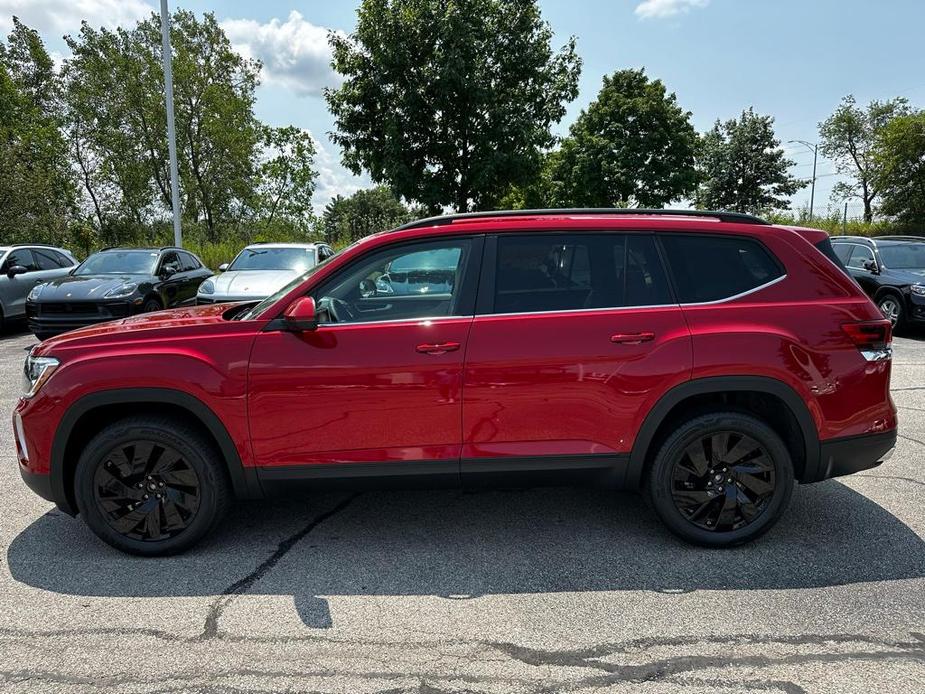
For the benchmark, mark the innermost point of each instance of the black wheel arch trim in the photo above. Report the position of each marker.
(244, 480)
(716, 385)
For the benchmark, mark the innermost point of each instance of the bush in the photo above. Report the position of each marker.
(854, 227)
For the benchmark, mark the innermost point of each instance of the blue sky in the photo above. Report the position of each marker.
(793, 59)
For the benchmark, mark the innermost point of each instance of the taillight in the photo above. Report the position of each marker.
(874, 338)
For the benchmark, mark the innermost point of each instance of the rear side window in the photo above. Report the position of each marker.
(562, 272)
(712, 268)
(189, 262)
(841, 251)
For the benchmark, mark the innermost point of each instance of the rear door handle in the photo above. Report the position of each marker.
(436, 349)
(632, 338)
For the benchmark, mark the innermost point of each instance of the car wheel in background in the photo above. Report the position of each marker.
(151, 485)
(151, 305)
(721, 479)
(891, 307)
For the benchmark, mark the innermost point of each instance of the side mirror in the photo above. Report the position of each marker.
(300, 316)
(169, 271)
(223, 267)
(367, 289)
(14, 270)
(871, 266)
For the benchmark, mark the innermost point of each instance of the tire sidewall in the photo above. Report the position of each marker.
(900, 315)
(186, 442)
(659, 481)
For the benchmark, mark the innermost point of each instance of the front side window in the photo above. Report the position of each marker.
(21, 257)
(119, 263)
(257, 258)
(859, 256)
(561, 272)
(420, 280)
(713, 268)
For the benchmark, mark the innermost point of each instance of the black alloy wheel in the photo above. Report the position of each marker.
(147, 491)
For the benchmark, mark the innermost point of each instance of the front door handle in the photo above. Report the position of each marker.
(632, 338)
(436, 349)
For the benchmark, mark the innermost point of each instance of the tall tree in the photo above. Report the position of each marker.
(632, 147)
(449, 103)
(848, 137)
(347, 219)
(899, 155)
(285, 177)
(37, 190)
(743, 168)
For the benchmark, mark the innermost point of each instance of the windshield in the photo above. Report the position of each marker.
(905, 256)
(257, 311)
(119, 263)
(298, 259)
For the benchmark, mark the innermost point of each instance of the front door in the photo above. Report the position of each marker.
(379, 382)
(576, 335)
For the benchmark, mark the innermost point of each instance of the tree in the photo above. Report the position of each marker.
(37, 190)
(449, 103)
(632, 147)
(285, 177)
(743, 168)
(899, 158)
(848, 137)
(348, 219)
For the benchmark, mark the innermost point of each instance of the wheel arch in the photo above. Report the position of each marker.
(87, 415)
(705, 394)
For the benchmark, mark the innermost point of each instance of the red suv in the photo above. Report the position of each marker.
(710, 359)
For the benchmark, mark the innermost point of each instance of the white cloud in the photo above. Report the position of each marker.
(295, 53)
(333, 178)
(56, 18)
(658, 9)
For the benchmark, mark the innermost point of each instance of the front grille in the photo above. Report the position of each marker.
(77, 308)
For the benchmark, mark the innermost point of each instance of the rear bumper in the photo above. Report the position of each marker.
(852, 454)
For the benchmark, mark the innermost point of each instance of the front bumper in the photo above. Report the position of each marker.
(54, 318)
(851, 454)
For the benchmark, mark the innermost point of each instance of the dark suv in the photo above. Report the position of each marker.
(891, 269)
(709, 359)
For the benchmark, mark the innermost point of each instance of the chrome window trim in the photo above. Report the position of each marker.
(740, 294)
(430, 319)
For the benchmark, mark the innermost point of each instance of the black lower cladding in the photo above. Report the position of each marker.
(851, 454)
(40, 484)
(511, 471)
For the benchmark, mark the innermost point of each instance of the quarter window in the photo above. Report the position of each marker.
(560, 272)
(712, 268)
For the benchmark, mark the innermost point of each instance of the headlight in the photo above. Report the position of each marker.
(918, 289)
(207, 287)
(34, 294)
(122, 291)
(35, 372)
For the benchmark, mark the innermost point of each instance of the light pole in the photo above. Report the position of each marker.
(171, 127)
(814, 148)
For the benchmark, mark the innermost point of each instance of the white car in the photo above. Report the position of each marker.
(259, 270)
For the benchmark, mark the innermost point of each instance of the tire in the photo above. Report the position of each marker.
(185, 489)
(891, 306)
(707, 509)
(151, 305)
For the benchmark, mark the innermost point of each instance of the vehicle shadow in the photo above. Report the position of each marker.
(466, 544)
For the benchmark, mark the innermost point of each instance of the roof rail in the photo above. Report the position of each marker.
(735, 217)
(897, 237)
(36, 245)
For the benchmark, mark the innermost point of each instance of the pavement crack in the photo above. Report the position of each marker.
(242, 585)
(909, 438)
(894, 477)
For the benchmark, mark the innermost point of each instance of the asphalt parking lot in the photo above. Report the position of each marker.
(540, 590)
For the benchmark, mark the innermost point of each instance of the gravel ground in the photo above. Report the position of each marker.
(543, 590)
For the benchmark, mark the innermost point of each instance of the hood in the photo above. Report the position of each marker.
(249, 284)
(85, 287)
(912, 276)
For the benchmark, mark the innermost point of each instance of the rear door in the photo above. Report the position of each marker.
(576, 336)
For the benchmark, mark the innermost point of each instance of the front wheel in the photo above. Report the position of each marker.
(151, 485)
(891, 308)
(721, 479)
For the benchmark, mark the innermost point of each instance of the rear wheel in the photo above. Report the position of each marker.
(721, 479)
(151, 485)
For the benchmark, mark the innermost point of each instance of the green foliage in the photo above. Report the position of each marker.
(449, 103)
(366, 212)
(848, 138)
(836, 226)
(743, 168)
(632, 147)
(899, 156)
(286, 179)
(37, 188)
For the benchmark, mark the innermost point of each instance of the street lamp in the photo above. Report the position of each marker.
(171, 127)
(814, 148)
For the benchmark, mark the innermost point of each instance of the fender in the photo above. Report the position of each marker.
(723, 384)
(243, 480)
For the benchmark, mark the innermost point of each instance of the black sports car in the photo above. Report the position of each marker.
(115, 283)
(891, 269)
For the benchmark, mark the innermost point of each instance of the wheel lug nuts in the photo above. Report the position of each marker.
(145, 497)
(729, 480)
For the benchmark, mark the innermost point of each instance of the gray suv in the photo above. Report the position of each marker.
(24, 266)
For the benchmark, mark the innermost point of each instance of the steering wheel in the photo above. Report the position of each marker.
(340, 310)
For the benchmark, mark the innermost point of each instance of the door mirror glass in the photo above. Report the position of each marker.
(301, 315)
(223, 267)
(14, 270)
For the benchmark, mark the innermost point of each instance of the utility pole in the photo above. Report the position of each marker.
(844, 221)
(171, 126)
(814, 148)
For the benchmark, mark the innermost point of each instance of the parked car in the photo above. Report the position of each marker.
(891, 269)
(115, 283)
(22, 266)
(260, 269)
(710, 360)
